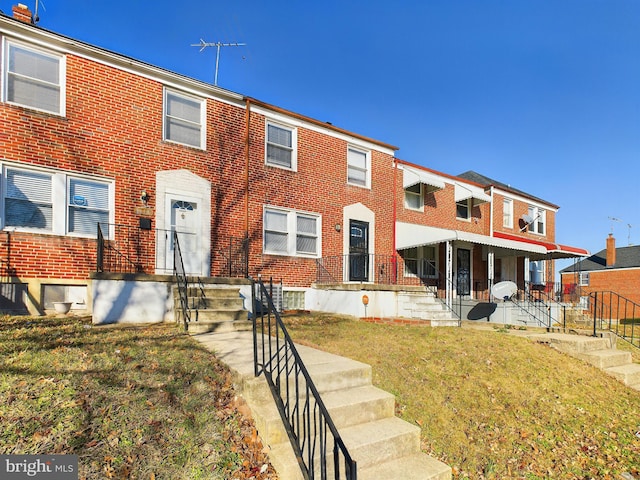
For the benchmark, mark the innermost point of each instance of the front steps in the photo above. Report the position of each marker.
(598, 351)
(425, 306)
(214, 309)
(384, 446)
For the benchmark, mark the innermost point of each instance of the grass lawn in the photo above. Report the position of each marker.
(490, 403)
(143, 402)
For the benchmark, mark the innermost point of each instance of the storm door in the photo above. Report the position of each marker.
(358, 251)
(464, 271)
(184, 218)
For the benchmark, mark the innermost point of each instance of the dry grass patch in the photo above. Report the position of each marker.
(491, 404)
(144, 402)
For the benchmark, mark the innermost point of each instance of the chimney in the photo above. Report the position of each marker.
(21, 12)
(611, 251)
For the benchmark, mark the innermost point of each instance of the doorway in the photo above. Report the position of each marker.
(185, 221)
(463, 275)
(358, 251)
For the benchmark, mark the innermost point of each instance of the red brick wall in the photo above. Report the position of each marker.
(319, 186)
(622, 281)
(113, 128)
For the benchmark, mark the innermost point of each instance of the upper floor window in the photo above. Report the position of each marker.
(583, 279)
(463, 209)
(184, 119)
(34, 78)
(413, 197)
(281, 146)
(289, 232)
(358, 167)
(507, 213)
(538, 220)
(53, 202)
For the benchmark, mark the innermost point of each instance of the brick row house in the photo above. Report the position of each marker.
(90, 137)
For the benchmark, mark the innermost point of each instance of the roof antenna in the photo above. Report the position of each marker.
(629, 234)
(204, 45)
(36, 17)
(614, 219)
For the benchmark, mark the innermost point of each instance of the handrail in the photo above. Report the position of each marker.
(236, 257)
(181, 280)
(617, 314)
(312, 433)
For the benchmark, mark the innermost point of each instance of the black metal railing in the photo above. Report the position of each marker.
(378, 269)
(235, 258)
(615, 313)
(317, 444)
(123, 255)
(181, 281)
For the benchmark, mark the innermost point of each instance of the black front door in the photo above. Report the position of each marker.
(358, 251)
(464, 271)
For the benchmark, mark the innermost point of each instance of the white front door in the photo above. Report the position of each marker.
(185, 221)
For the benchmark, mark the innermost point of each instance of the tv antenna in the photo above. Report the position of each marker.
(629, 234)
(36, 17)
(614, 219)
(204, 45)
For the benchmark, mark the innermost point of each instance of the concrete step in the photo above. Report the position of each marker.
(628, 374)
(218, 315)
(346, 407)
(606, 358)
(573, 344)
(226, 303)
(411, 467)
(387, 449)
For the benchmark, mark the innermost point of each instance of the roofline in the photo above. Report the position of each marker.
(524, 194)
(436, 172)
(329, 126)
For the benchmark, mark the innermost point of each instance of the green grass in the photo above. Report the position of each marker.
(144, 402)
(492, 404)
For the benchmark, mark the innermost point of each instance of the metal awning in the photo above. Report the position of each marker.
(554, 250)
(409, 235)
(412, 176)
(464, 192)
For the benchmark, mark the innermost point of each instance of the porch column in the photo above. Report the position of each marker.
(490, 269)
(527, 274)
(449, 274)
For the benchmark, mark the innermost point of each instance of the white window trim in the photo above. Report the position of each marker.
(507, 222)
(292, 232)
(539, 217)
(6, 44)
(420, 194)
(60, 181)
(203, 117)
(294, 145)
(367, 154)
(469, 203)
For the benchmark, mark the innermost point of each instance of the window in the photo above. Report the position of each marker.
(54, 202)
(88, 206)
(463, 209)
(289, 232)
(583, 279)
(184, 119)
(507, 213)
(420, 262)
(539, 219)
(34, 78)
(358, 167)
(280, 149)
(413, 198)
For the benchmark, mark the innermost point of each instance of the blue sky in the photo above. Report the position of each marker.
(543, 95)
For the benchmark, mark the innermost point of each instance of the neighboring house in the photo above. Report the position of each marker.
(613, 269)
(90, 137)
(471, 232)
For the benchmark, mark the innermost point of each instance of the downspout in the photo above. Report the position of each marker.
(246, 182)
(491, 214)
